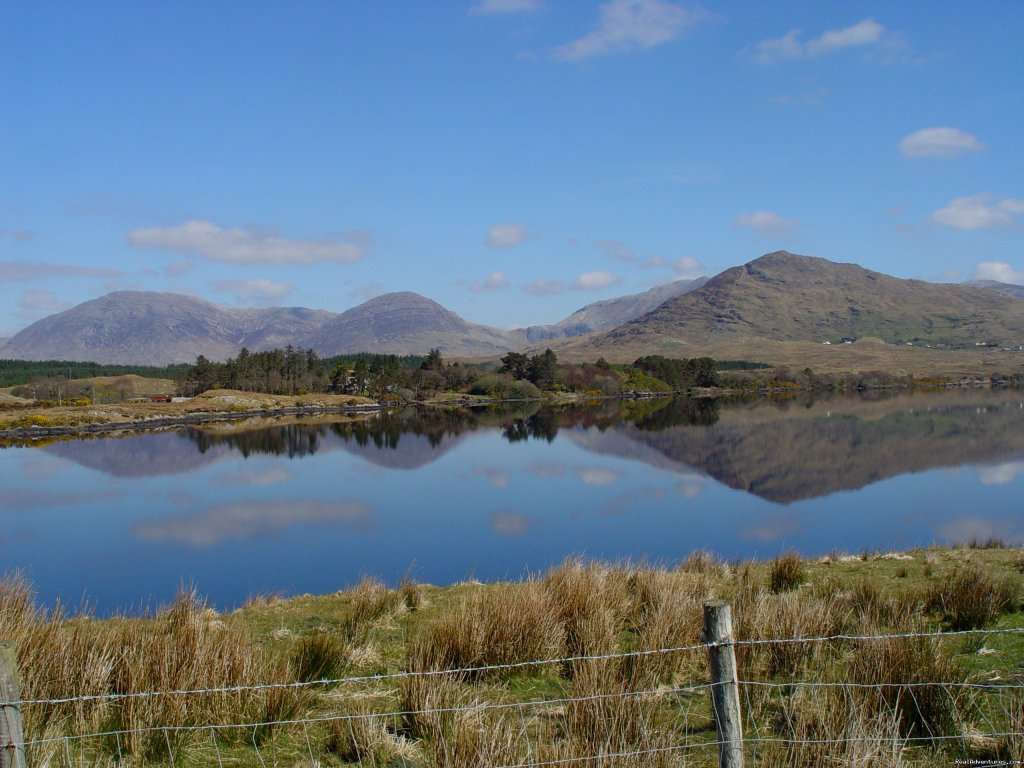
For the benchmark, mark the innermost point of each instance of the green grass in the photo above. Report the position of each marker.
(622, 704)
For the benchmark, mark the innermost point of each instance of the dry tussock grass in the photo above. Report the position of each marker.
(578, 609)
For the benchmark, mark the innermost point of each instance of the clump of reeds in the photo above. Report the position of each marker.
(787, 572)
(761, 615)
(590, 602)
(666, 614)
(369, 602)
(322, 655)
(491, 627)
(901, 677)
(972, 598)
(825, 726)
(412, 593)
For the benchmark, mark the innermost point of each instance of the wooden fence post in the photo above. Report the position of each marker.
(12, 738)
(725, 694)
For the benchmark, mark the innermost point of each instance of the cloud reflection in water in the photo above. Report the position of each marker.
(250, 519)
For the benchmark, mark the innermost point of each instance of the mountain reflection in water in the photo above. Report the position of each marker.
(312, 504)
(781, 451)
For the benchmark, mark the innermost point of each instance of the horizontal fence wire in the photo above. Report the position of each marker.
(764, 733)
(478, 707)
(513, 665)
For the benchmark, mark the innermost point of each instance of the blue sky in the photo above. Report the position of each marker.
(511, 159)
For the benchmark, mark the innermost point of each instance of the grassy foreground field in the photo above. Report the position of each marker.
(605, 690)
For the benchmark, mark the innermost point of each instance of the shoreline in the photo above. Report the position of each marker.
(80, 420)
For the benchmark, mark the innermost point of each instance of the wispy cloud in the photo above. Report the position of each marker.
(35, 304)
(251, 245)
(506, 235)
(594, 281)
(940, 142)
(767, 223)
(598, 475)
(978, 212)
(966, 529)
(772, 527)
(510, 523)
(1001, 474)
(545, 469)
(501, 7)
(15, 234)
(256, 476)
(178, 268)
(496, 281)
(250, 519)
(22, 271)
(541, 287)
(252, 291)
(999, 271)
(496, 477)
(866, 32)
(616, 249)
(632, 25)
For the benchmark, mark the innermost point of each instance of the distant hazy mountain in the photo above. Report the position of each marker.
(137, 327)
(610, 313)
(785, 297)
(1017, 291)
(156, 328)
(779, 297)
(402, 324)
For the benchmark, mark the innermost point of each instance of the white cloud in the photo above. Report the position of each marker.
(939, 142)
(999, 271)
(978, 212)
(506, 235)
(21, 271)
(866, 32)
(496, 281)
(498, 7)
(256, 291)
(38, 303)
(595, 281)
(628, 25)
(687, 266)
(541, 287)
(249, 246)
(767, 223)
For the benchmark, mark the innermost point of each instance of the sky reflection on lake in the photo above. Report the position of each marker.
(249, 508)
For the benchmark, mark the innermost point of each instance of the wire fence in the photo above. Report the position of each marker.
(882, 701)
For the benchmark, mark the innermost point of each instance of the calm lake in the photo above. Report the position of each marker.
(312, 505)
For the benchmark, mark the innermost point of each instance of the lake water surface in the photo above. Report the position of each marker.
(312, 505)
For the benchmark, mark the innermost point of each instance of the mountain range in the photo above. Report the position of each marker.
(779, 297)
